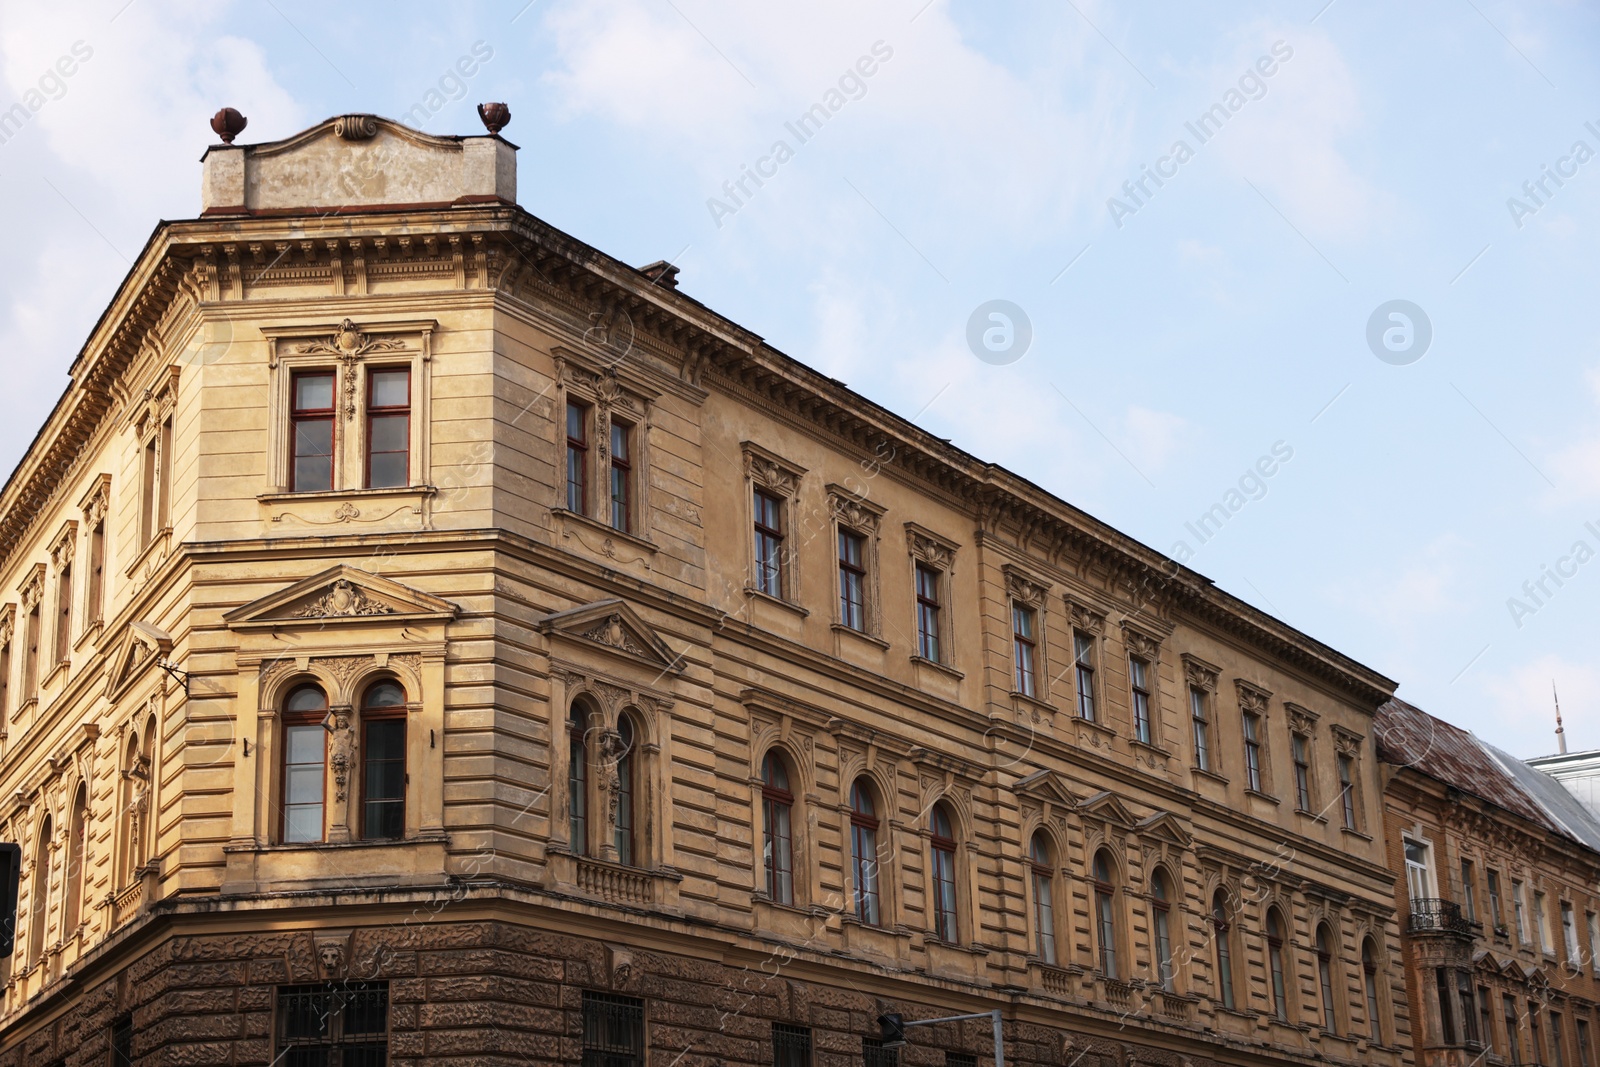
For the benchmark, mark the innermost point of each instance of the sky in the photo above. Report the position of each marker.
(1350, 244)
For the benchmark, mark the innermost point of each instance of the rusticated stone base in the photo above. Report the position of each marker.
(497, 993)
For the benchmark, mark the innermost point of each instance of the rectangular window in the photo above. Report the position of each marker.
(1508, 1008)
(960, 1059)
(122, 1042)
(164, 490)
(147, 493)
(769, 543)
(383, 778)
(64, 614)
(1302, 772)
(791, 1046)
(1419, 870)
(95, 603)
(1590, 921)
(1447, 1019)
(343, 1023)
(1083, 667)
(388, 428)
(1023, 645)
(1138, 681)
(1519, 905)
(1556, 1052)
(30, 656)
(1202, 728)
(1469, 1014)
(621, 476)
(1542, 917)
(577, 457)
(852, 580)
(928, 613)
(1496, 913)
(1469, 896)
(1569, 934)
(873, 1054)
(1535, 1032)
(1585, 1056)
(5, 679)
(303, 752)
(1347, 792)
(1485, 1025)
(613, 1031)
(311, 432)
(1252, 751)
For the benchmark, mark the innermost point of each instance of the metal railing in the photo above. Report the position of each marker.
(1433, 915)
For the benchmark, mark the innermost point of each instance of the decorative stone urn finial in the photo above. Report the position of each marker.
(496, 117)
(228, 124)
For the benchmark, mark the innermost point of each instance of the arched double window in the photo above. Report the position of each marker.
(383, 761)
(1161, 915)
(1330, 1021)
(625, 768)
(1044, 911)
(1280, 1003)
(305, 753)
(777, 831)
(942, 845)
(1222, 934)
(1369, 978)
(38, 909)
(1105, 914)
(864, 853)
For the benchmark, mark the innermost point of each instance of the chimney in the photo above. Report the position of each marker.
(661, 273)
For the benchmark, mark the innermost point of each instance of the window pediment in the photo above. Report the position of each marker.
(340, 595)
(1046, 785)
(1105, 807)
(1165, 826)
(134, 654)
(614, 627)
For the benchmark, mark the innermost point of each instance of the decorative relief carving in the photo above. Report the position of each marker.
(1346, 742)
(769, 472)
(1200, 674)
(1084, 617)
(98, 502)
(611, 632)
(64, 548)
(356, 127)
(1024, 588)
(32, 590)
(1140, 644)
(928, 549)
(342, 600)
(349, 344)
(1301, 720)
(343, 668)
(849, 509)
(1252, 698)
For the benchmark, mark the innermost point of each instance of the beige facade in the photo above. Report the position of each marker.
(1063, 730)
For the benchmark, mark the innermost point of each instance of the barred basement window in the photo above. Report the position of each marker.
(960, 1059)
(122, 1042)
(873, 1054)
(333, 1025)
(613, 1030)
(791, 1046)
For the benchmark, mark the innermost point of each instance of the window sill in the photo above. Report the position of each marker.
(339, 846)
(279, 496)
(56, 672)
(1353, 832)
(1145, 746)
(756, 594)
(860, 635)
(945, 668)
(90, 636)
(1305, 813)
(587, 524)
(24, 707)
(333, 866)
(1213, 775)
(1023, 700)
(1259, 795)
(150, 554)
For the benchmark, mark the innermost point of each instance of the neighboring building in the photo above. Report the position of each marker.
(1579, 772)
(426, 637)
(1501, 897)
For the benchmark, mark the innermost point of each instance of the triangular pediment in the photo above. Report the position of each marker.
(341, 595)
(131, 657)
(613, 626)
(1104, 805)
(1046, 785)
(1164, 826)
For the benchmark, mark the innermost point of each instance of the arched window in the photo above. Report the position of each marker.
(1221, 932)
(40, 893)
(77, 839)
(578, 780)
(626, 793)
(1044, 913)
(942, 841)
(1369, 976)
(1280, 1005)
(1161, 907)
(777, 813)
(305, 750)
(864, 852)
(1330, 1022)
(1105, 914)
(383, 761)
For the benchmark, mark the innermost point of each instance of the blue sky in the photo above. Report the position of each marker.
(1177, 339)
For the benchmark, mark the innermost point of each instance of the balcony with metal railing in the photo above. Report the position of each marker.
(1434, 915)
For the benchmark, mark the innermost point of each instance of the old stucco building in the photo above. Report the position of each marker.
(425, 638)
(1501, 897)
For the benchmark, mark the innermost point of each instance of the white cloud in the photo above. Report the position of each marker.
(1524, 713)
